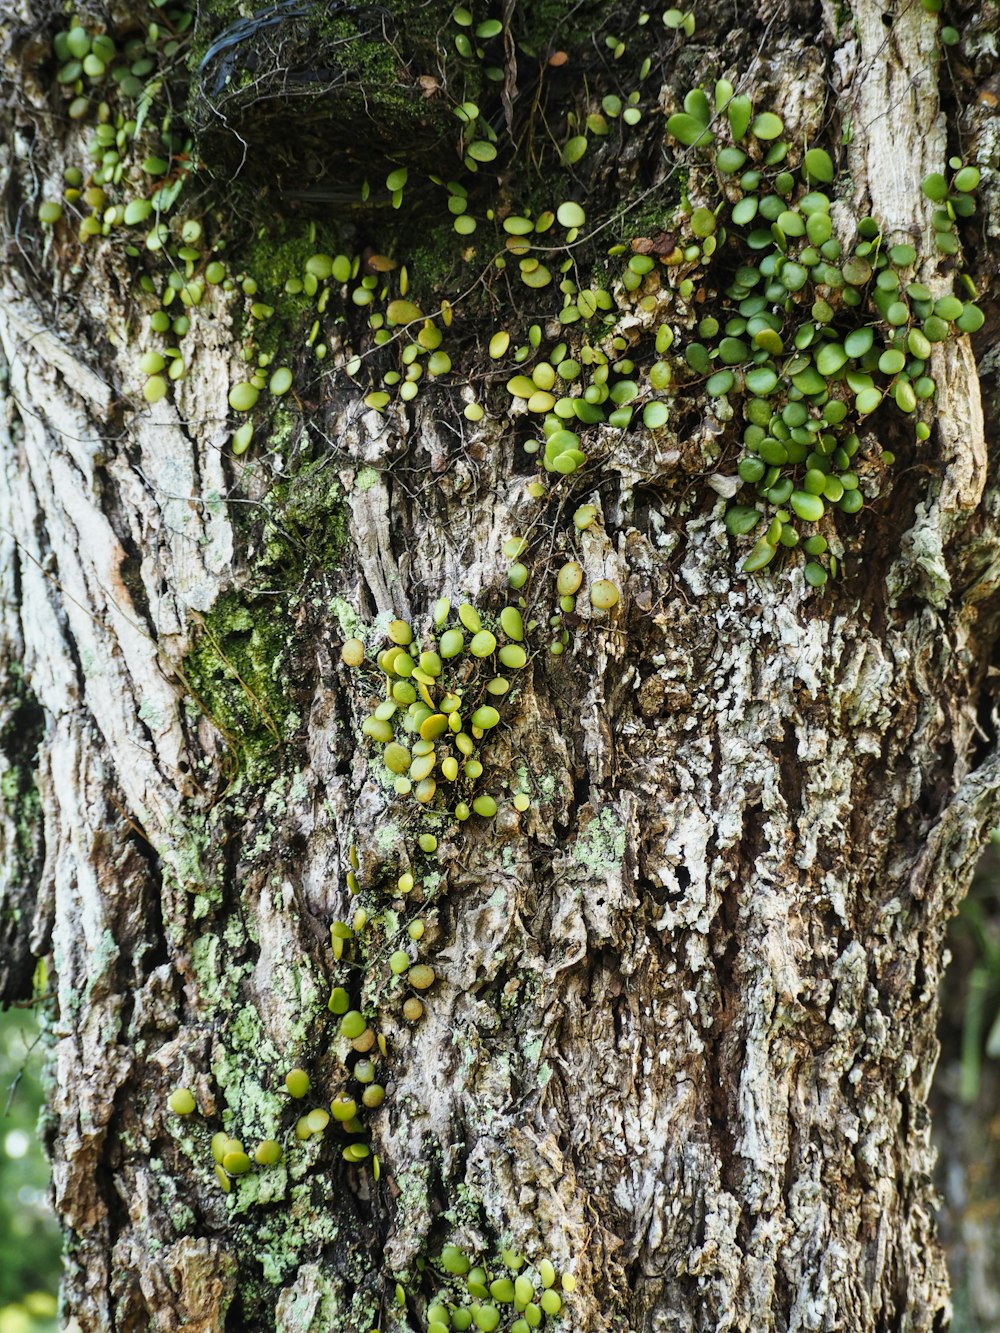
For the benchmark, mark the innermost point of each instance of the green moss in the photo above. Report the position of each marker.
(307, 527)
(277, 252)
(241, 672)
(434, 258)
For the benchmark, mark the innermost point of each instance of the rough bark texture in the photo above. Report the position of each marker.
(684, 1024)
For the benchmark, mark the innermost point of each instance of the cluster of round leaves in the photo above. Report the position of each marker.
(134, 174)
(418, 976)
(482, 42)
(518, 1299)
(120, 187)
(571, 392)
(534, 241)
(231, 1159)
(811, 339)
(421, 352)
(87, 61)
(441, 697)
(477, 41)
(344, 1108)
(329, 283)
(124, 193)
(603, 594)
(622, 108)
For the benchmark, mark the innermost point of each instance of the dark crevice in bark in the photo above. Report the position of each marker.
(154, 951)
(20, 739)
(723, 1043)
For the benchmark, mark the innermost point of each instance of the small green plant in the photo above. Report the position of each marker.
(487, 1293)
(442, 693)
(812, 337)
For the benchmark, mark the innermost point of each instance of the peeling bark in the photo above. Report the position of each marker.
(684, 1025)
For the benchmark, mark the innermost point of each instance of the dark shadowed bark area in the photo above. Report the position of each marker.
(608, 922)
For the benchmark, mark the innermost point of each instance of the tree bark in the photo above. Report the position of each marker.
(683, 1027)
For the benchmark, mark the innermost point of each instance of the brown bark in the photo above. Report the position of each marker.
(683, 1029)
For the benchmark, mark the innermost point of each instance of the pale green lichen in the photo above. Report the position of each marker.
(150, 714)
(388, 837)
(207, 970)
(601, 843)
(365, 479)
(300, 1228)
(533, 1049)
(244, 1057)
(101, 960)
(183, 847)
(351, 625)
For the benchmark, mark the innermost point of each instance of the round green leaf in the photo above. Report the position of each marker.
(767, 126)
(480, 150)
(570, 214)
(830, 358)
(818, 165)
(719, 383)
(906, 398)
(806, 506)
(703, 222)
(856, 270)
(685, 129)
(891, 362)
(696, 104)
(575, 148)
(402, 312)
(762, 380)
(730, 160)
(971, 319)
(762, 554)
(741, 519)
(858, 342)
(739, 111)
(935, 187)
(814, 574)
(242, 397)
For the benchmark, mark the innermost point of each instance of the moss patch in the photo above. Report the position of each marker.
(241, 674)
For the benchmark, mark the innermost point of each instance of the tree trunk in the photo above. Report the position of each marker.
(681, 1026)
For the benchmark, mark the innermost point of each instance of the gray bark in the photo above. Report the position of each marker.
(684, 1025)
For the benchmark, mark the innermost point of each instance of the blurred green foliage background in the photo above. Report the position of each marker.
(30, 1245)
